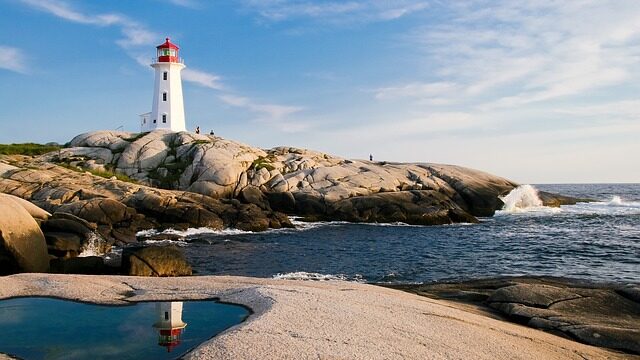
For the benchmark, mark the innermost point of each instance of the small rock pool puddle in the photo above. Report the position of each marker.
(47, 328)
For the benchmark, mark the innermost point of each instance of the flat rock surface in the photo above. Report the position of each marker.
(605, 315)
(321, 320)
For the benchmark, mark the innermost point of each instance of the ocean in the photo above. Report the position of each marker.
(597, 241)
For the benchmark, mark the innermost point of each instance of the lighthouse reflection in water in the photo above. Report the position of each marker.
(169, 324)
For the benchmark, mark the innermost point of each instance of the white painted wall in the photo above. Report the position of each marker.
(173, 107)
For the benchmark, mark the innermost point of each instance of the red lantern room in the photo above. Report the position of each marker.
(168, 52)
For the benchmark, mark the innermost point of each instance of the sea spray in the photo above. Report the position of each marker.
(93, 246)
(521, 198)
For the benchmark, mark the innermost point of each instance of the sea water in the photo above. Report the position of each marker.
(597, 241)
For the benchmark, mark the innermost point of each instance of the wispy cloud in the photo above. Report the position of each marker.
(185, 3)
(276, 116)
(271, 110)
(202, 78)
(134, 33)
(13, 59)
(508, 54)
(334, 11)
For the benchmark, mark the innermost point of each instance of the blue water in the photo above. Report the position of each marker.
(596, 241)
(45, 328)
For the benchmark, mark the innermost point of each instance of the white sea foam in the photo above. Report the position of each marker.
(615, 206)
(190, 232)
(524, 200)
(92, 246)
(303, 275)
(166, 242)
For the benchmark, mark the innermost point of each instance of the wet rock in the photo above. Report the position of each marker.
(61, 243)
(253, 195)
(22, 238)
(631, 292)
(89, 265)
(598, 314)
(66, 222)
(155, 261)
(411, 207)
(532, 295)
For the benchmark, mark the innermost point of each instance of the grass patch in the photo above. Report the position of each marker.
(262, 162)
(30, 149)
(108, 174)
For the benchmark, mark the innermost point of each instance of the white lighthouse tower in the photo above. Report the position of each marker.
(168, 107)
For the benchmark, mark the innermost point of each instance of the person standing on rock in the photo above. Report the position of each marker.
(197, 129)
(370, 157)
(211, 133)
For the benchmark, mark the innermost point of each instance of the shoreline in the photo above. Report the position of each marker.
(329, 319)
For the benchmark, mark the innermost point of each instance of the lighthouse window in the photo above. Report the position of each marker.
(164, 118)
(166, 315)
(164, 96)
(164, 75)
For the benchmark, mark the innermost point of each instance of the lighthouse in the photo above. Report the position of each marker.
(169, 324)
(167, 111)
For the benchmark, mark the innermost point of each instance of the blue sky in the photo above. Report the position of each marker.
(537, 91)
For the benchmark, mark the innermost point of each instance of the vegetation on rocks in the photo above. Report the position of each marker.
(30, 149)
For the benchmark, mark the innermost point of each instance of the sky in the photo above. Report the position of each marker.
(536, 91)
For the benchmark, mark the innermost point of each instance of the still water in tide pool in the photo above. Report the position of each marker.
(51, 329)
(595, 241)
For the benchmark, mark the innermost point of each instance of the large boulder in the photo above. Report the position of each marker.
(155, 261)
(22, 238)
(37, 213)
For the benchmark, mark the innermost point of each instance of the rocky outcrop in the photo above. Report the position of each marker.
(596, 314)
(83, 204)
(155, 261)
(297, 181)
(22, 244)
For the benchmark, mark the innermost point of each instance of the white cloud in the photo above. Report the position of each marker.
(13, 59)
(135, 34)
(431, 91)
(185, 3)
(273, 111)
(507, 54)
(202, 78)
(353, 11)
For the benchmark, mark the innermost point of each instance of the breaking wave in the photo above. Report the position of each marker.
(190, 232)
(303, 275)
(525, 200)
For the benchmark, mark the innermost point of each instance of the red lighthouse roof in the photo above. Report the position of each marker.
(168, 52)
(167, 45)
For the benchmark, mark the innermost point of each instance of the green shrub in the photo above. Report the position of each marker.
(262, 162)
(30, 149)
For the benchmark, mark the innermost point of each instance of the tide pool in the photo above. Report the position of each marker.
(46, 328)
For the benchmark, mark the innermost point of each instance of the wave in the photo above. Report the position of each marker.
(525, 200)
(93, 246)
(190, 232)
(303, 275)
(615, 206)
(166, 242)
